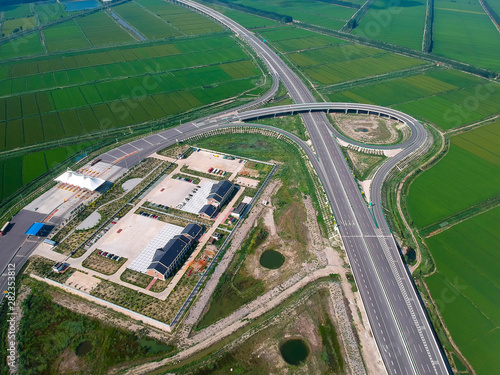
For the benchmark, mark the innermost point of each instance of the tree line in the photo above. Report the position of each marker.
(429, 24)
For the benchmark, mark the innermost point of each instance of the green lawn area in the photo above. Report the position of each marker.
(399, 23)
(468, 174)
(466, 287)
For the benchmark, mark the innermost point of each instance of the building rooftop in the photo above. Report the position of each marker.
(77, 179)
(192, 230)
(208, 210)
(220, 190)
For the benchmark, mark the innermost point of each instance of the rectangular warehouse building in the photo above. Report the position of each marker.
(170, 256)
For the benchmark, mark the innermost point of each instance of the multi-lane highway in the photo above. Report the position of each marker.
(401, 327)
(399, 322)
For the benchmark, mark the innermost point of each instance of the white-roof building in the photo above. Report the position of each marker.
(77, 179)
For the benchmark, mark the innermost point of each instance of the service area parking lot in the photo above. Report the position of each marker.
(171, 192)
(202, 161)
(128, 237)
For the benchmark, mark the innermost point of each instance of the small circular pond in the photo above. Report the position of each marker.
(294, 351)
(272, 259)
(84, 348)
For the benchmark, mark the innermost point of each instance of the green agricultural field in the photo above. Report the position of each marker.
(407, 89)
(34, 165)
(186, 21)
(459, 107)
(340, 71)
(318, 13)
(51, 12)
(463, 31)
(402, 24)
(24, 46)
(101, 30)
(73, 103)
(287, 39)
(149, 25)
(447, 98)
(73, 37)
(467, 175)
(17, 25)
(15, 11)
(249, 21)
(12, 178)
(466, 287)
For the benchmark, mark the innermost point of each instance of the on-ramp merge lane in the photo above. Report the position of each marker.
(405, 324)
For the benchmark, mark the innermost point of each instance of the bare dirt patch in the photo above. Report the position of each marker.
(83, 282)
(369, 129)
(69, 363)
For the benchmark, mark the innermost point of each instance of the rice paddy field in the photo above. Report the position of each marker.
(88, 92)
(467, 175)
(341, 63)
(186, 21)
(466, 287)
(446, 98)
(74, 38)
(247, 20)
(25, 46)
(148, 24)
(402, 24)
(464, 32)
(24, 169)
(318, 13)
(15, 11)
(100, 30)
(289, 39)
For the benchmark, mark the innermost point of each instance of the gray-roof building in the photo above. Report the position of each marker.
(169, 257)
(220, 193)
(240, 210)
(192, 230)
(208, 211)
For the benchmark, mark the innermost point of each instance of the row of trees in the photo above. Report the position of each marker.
(357, 17)
(492, 13)
(429, 24)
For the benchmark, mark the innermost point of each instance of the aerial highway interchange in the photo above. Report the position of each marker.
(404, 336)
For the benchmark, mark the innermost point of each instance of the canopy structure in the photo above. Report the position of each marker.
(34, 229)
(80, 180)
